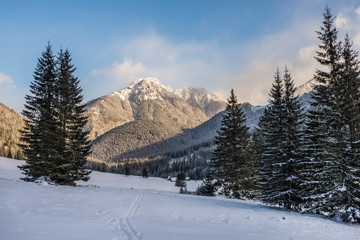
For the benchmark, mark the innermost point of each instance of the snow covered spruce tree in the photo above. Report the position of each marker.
(268, 136)
(55, 144)
(278, 143)
(294, 138)
(349, 103)
(233, 160)
(332, 174)
(323, 175)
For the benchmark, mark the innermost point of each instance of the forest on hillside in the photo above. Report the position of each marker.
(10, 124)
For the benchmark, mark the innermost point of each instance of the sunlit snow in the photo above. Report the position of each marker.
(115, 207)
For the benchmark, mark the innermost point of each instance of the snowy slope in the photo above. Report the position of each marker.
(135, 208)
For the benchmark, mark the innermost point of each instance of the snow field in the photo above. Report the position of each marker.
(118, 207)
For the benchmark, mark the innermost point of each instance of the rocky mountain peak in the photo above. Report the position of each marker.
(148, 99)
(144, 89)
(146, 82)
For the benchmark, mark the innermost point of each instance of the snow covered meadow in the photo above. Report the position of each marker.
(114, 207)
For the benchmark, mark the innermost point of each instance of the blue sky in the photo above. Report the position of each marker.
(217, 45)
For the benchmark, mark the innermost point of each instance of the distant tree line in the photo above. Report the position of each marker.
(306, 161)
(193, 165)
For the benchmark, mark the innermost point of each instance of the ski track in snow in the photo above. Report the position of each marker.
(124, 225)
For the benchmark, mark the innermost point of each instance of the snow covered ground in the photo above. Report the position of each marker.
(116, 207)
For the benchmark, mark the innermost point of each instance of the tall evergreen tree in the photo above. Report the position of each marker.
(293, 140)
(269, 138)
(278, 137)
(263, 151)
(40, 132)
(74, 146)
(324, 172)
(232, 159)
(56, 144)
(350, 118)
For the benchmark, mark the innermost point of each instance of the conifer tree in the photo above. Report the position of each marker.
(278, 142)
(350, 117)
(263, 151)
(56, 144)
(180, 180)
(324, 172)
(233, 160)
(207, 188)
(145, 173)
(293, 140)
(269, 142)
(40, 132)
(127, 170)
(74, 146)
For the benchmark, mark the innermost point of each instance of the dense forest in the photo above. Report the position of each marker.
(306, 160)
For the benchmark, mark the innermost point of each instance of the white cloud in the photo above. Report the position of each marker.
(121, 71)
(341, 21)
(348, 21)
(5, 78)
(287, 48)
(357, 11)
(356, 40)
(175, 64)
(307, 53)
(247, 68)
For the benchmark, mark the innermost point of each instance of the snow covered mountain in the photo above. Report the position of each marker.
(148, 99)
(306, 87)
(201, 98)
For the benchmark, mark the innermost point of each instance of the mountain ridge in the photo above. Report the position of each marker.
(148, 99)
(185, 139)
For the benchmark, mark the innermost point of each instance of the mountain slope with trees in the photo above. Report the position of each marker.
(148, 99)
(10, 124)
(159, 138)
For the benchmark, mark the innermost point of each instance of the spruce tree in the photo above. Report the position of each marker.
(74, 146)
(350, 118)
(270, 139)
(127, 170)
(293, 141)
(263, 151)
(233, 160)
(145, 173)
(40, 133)
(278, 140)
(207, 188)
(180, 180)
(323, 173)
(56, 144)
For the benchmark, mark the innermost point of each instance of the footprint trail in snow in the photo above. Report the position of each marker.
(124, 225)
